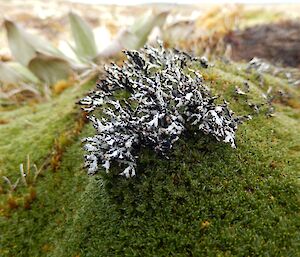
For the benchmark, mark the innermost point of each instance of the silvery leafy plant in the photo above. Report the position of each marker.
(162, 97)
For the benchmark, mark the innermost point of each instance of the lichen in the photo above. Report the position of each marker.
(166, 98)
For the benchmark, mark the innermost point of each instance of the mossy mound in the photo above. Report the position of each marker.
(206, 200)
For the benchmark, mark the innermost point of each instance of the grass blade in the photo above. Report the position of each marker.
(136, 36)
(85, 45)
(24, 45)
(50, 69)
(8, 75)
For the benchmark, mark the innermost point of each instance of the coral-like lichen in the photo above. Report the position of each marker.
(166, 97)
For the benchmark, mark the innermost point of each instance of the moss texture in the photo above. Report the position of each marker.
(206, 200)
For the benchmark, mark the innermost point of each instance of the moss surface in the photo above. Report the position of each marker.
(206, 200)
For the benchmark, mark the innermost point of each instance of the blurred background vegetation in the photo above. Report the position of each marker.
(46, 47)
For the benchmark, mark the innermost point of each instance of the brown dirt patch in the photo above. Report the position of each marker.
(278, 43)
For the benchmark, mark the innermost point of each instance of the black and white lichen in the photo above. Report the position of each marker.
(165, 96)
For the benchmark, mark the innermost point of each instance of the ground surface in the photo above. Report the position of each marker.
(207, 200)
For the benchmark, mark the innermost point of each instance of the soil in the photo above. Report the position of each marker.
(278, 43)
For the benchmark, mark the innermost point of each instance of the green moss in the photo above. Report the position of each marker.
(206, 200)
(31, 130)
(34, 232)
